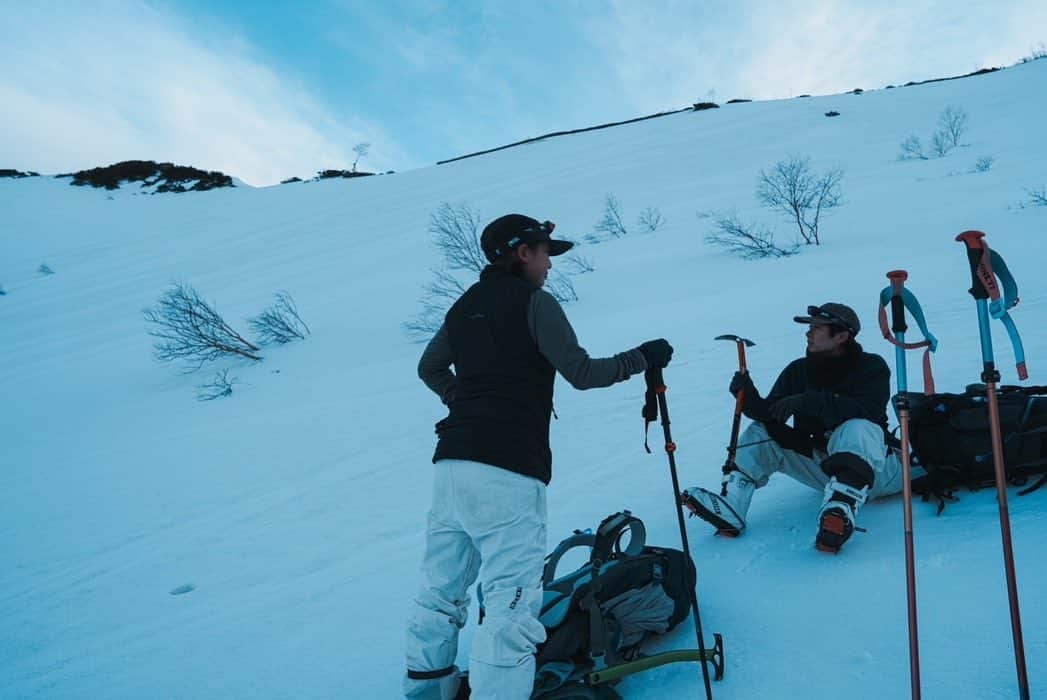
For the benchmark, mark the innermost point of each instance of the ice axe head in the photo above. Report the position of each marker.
(742, 343)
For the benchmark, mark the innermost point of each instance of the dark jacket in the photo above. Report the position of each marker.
(834, 389)
(506, 339)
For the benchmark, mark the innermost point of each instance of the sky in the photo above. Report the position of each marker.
(267, 90)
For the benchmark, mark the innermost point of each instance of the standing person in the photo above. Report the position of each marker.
(506, 339)
(837, 395)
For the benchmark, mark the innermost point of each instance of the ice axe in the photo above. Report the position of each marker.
(739, 399)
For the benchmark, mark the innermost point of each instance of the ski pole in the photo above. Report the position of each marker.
(983, 286)
(901, 403)
(732, 446)
(655, 404)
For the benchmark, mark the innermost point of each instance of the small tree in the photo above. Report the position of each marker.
(747, 241)
(611, 222)
(280, 322)
(912, 149)
(454, 229)
(188, 328)
(952, 125)
(793, 189)
(361, 150)
(577, 264)
(219, 387)
(1038, 196)
(651, 219)
(561, 287)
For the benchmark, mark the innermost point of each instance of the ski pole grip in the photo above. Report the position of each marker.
(653, 377)
(897, 278)
(975, 250)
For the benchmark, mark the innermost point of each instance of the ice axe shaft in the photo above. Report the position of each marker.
(739, 399)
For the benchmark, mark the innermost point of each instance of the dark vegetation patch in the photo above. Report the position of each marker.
(167, 177)
(10, 172)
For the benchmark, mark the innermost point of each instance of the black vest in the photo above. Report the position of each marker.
(503, 395)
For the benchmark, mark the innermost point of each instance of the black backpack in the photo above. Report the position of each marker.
(950, 438)
(600, 614)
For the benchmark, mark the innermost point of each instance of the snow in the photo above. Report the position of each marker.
(294, 509)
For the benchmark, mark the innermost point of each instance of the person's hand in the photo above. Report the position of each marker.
(781, 409)
(741, 381)
(658, 353)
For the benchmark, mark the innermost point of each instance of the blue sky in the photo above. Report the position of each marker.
(265, 90)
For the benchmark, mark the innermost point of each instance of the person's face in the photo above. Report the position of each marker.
(822, 339)
(535, 262)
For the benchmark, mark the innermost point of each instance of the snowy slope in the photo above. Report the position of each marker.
(295, 507)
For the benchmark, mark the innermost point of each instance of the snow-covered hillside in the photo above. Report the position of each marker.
(294, 508)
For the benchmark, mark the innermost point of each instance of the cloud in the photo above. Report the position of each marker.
(86, 85)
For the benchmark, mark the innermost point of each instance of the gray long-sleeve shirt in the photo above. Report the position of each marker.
(556, 341)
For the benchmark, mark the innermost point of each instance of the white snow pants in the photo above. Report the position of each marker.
(492, 522)
(759, 456)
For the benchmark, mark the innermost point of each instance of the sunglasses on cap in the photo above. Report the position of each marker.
(831, 318)
(529, 235)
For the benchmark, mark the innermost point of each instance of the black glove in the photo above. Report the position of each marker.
(740, 381)
(781, 409)
(658, 353)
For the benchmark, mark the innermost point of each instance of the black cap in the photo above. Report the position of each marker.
(832, 314)
(506, 232)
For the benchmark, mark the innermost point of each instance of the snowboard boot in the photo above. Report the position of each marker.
(836, 518)
(726, 510)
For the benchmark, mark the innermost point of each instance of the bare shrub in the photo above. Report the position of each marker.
(1038, 196)
(793, 189)
(439, 295)
(651, 219)
(984, 164)
(576, 264)
(912, 149)
(360, 150)
(561, 287)
(219, 387)
(455, 232)
(188, 328)
(279, 323)
(45, 269)
(611, 222)
(952, 125)
(747, 240)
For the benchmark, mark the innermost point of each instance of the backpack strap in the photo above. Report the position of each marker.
(929, 341)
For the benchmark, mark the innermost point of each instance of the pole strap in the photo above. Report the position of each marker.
(929, 341)
(991, 267)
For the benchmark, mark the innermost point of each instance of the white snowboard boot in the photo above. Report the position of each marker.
(836, 517)
(726, 510)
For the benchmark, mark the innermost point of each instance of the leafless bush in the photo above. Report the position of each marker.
(611, 223)
(747, 241)
(280, 322)
(454, 229)
(188, 328)
(219, 387)
(952, 124)
(984, 164)
(793, 189)
(912, 149)
(45, 269)
(1038, 196)
(439, 295)
(651, 219)
(360, 150)
(561, 287)
(578, 265)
